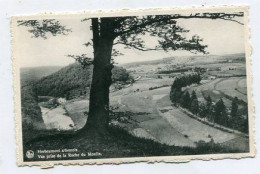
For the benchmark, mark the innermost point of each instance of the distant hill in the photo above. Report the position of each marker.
(148, 62)
(195, 59)
(31, 74)
(72, 81)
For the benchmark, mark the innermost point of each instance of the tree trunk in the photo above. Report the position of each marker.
(98, 117)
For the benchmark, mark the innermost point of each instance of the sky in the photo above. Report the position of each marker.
(222, 37)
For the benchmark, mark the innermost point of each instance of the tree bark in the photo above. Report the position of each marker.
(98, 117)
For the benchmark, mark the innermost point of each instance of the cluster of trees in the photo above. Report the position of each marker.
(186, 80)
(219, 113)
(120, 74)
(237, 121)
(190, 102)
(179, 83)
(213, 112)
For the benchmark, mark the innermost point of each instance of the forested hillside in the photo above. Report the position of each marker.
(69, 82)
(31, 112)
(66, 82)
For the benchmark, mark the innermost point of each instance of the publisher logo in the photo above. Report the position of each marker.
(29, 154)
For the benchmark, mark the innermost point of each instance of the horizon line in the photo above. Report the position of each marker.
(138, 61)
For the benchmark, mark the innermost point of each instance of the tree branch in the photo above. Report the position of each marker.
(149, 20)
(136, 47)
(41, 28)
(82, 59)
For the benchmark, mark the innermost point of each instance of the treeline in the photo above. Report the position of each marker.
(186, 80)
(157, 87)
(174, 71)
(213, 112)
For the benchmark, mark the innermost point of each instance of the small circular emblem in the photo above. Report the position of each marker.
(29, 154)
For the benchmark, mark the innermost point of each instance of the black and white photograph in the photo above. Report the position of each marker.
(133, 86)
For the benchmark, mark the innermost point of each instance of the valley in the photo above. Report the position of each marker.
(143, 106)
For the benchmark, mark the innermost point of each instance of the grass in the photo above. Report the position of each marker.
(117, 143)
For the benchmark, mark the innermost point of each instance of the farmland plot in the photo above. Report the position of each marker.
(222, 88)
(193, 129)
(230, 87)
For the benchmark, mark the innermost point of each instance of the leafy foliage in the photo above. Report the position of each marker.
(128, 30)
(234, 108)
(236, 119)
(83, 59)
(194, 106)
(186, 80)
(220, 113)
(41, 28)
(31, 112)
(185, 100)
(119, 74)
(131, 31)
(176, 94)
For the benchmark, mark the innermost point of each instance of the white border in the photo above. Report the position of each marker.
(182, 10)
